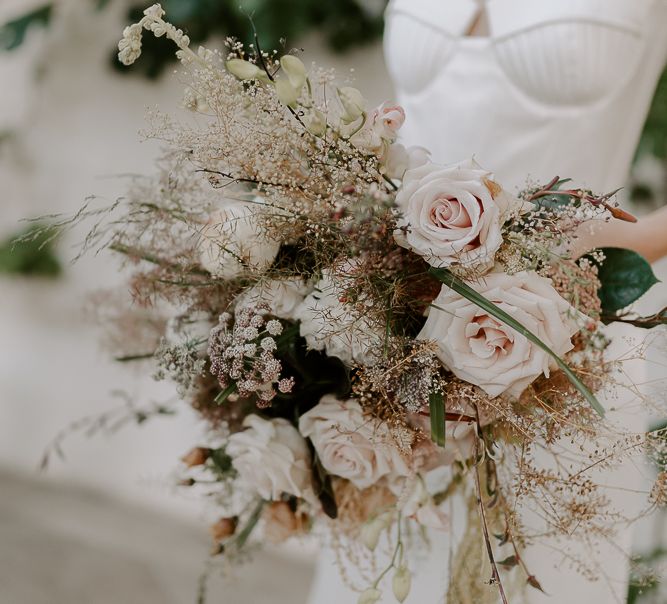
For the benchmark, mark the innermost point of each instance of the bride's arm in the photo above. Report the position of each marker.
(647, 236)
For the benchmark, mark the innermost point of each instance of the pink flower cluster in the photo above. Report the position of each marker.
(244, 355)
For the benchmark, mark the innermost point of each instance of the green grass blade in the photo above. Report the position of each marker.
(226, 393)
(436, 403)
(463, 289)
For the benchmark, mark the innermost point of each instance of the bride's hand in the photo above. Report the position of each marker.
(647, 236)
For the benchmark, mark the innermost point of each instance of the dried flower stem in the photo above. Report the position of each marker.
(482, 514)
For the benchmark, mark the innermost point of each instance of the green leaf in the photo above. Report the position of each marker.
(242, 537)
(554, 201)
(436, 403)
(322, 484)
(463, 289)
(12, 33)
(30, 253)
(624, 276)
(225, 394)
(509, 562)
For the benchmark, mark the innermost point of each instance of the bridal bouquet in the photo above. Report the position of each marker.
(367, 333)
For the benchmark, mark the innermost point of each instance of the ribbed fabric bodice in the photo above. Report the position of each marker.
(558, 86)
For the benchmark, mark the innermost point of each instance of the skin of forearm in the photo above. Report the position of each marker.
(647, 236)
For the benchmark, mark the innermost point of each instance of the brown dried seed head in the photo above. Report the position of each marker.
(223, 528)
(494, 188)
(196, 457)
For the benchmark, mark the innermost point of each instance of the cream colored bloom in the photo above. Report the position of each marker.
(331, 325)
(350, 444)
(233, 241)
(353, 103)
(399, 159)
(294, 69)
(482, 350)
(271, 458)
(281, 296)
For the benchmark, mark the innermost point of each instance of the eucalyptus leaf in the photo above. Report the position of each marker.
(462, 288)
(13, 33)
(624, 277)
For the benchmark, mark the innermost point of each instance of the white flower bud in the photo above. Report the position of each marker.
(370, 533)
(286, 92)
(129, 47)
(401, 583)
(295, 70)
(353, 103)
(315, 122)
(371, 530)
(369, 596)
(154, 12)
(243, 70)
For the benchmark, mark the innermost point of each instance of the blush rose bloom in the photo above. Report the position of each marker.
(272, 458)
(386, 120)
(452, 214)
(233, 241)
(329, 324)
(380, 129)
(483, 351)
(351, 445)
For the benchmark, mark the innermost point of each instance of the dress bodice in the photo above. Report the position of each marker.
(557, 87)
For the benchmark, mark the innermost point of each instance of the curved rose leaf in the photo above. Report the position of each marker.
(624, 276)
(463, 289)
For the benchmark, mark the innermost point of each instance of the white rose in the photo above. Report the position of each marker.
(452, 214)
(484, 351)
(351, 445)
(281, 296)
(233, 241)
(272, 458)
(399, 159)
(331, 325)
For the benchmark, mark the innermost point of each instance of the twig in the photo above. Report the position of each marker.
(485, 528)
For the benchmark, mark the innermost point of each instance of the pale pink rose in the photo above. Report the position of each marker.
(452, 214)
(482, 350)
(350, 444)
(380, 129)
(386, 120)
(272, 458)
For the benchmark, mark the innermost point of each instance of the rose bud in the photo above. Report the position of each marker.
(196, 457)
(223, 528)
(369, 596)
(401, 583)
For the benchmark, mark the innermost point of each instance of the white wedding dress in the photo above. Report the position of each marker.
(557, 87)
